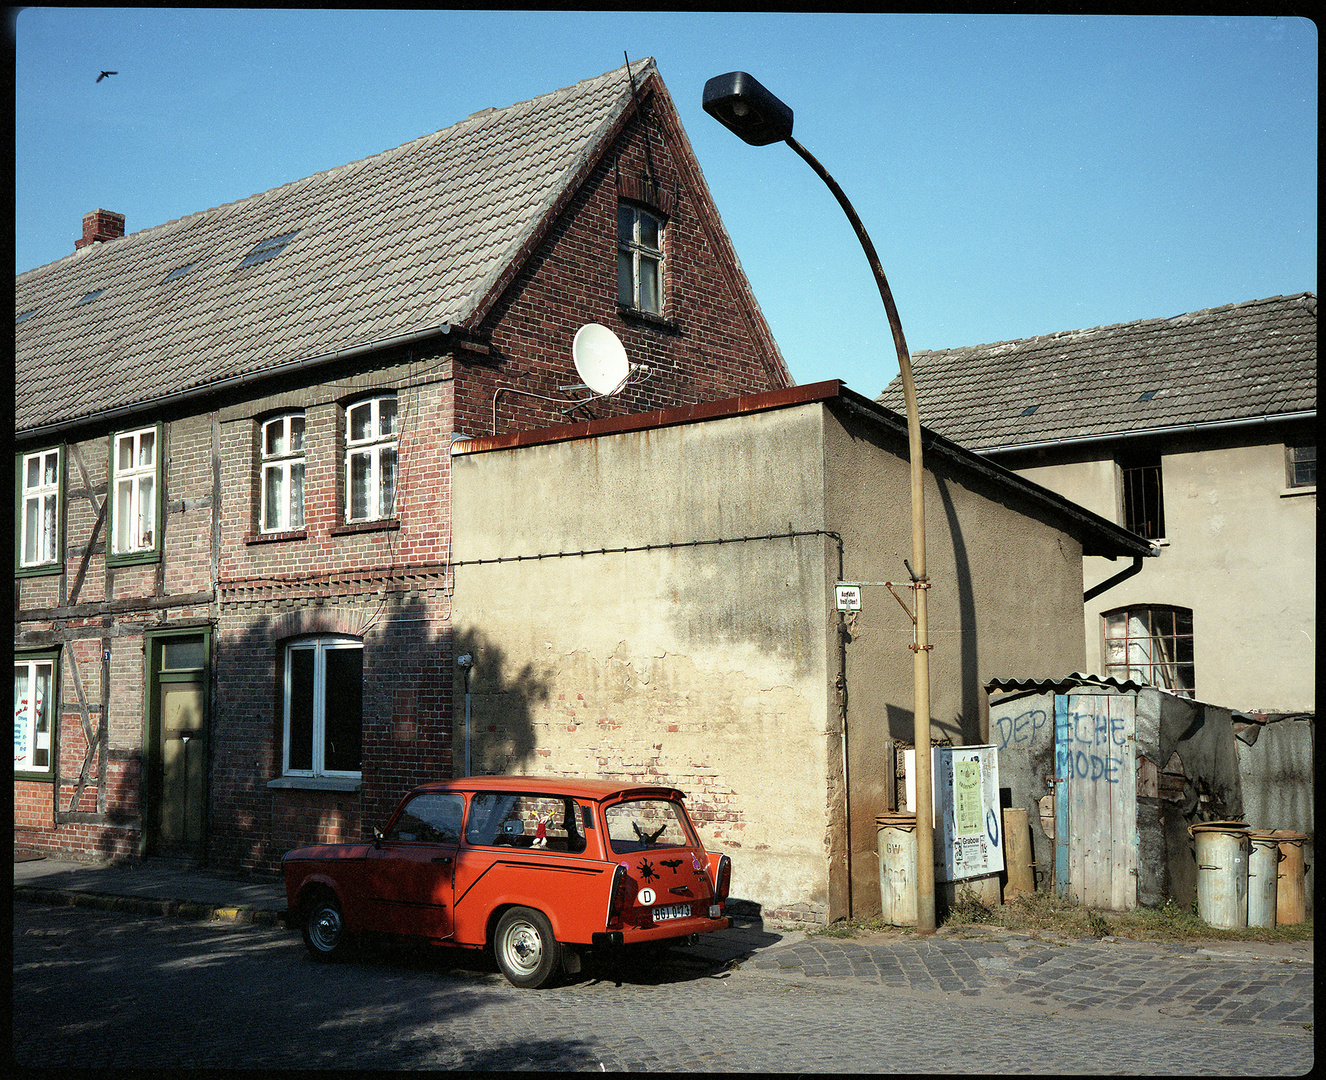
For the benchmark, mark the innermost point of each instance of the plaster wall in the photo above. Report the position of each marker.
(701, 665)
(1239, 550)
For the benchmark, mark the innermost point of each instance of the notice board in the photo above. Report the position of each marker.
(969, 828)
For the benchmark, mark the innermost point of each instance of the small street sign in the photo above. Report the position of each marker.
(849, 597)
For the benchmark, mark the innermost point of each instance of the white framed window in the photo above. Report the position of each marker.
(639, 259)
(324, 694)
(34, 684)
(370, 459)
(134, 481)
(283, 474)
(40, 476)
(1151, 645)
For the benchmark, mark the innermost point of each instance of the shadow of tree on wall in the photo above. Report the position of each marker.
(501, 728)
(412, 720)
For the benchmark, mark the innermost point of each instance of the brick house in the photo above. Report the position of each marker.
(1197, 432)
(232, 471)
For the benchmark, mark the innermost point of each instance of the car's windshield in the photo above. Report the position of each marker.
(647, 823)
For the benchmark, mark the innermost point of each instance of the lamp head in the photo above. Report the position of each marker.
(738, 102)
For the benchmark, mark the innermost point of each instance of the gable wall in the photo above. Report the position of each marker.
(1240, 551)
(705, 348)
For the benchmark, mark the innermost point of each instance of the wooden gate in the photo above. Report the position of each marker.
(1095, 754)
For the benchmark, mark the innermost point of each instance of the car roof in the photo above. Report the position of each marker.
(553, 785)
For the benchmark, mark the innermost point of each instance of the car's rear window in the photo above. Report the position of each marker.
(536, 822)
(639, 824)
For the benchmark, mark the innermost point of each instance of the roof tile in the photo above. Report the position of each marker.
(421, 230)
(1240, 361)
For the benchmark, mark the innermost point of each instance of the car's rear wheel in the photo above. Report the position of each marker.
(526, 950)
(325, 935)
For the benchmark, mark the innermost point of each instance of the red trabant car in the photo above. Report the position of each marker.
(539, 869)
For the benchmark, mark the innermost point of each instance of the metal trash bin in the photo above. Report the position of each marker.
(1291, 887)
(897, 868)
(1222, 873)
(1263, 874)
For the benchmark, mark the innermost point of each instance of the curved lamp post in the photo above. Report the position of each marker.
(744, 107)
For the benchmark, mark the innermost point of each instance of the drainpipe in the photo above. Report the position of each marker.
(466, 663)
(1109, 583)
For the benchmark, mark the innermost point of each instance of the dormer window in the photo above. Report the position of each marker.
(639, 259)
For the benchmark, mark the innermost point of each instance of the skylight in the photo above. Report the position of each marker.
(89, 297)
(1148, 395)
(26, 315)
(1029, 410)
(179, 271)
(268, 249)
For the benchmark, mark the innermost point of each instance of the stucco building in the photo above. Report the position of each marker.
(1196, 431)
(653, 597)
(233, 594)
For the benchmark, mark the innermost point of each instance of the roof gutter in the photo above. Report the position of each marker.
(194, 392)
(1173, 429)
(1115, 536)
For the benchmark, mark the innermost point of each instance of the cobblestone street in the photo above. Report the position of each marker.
(212, 994)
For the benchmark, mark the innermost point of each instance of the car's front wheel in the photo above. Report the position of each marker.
(526, 950)
(325, 935)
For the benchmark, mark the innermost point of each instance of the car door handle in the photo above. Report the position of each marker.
(443, 859)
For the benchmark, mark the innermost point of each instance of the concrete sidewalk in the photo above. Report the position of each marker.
(179, 888)
(150, 887)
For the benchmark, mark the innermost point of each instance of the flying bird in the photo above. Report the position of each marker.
(105, 73)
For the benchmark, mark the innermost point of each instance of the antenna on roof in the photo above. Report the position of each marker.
(649, 161)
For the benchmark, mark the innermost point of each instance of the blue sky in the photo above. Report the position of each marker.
(1019, 175)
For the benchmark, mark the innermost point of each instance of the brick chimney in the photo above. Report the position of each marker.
(100, 225)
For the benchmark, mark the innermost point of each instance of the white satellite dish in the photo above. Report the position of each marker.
(600, 358)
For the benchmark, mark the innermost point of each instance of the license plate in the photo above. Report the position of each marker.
(671, 911)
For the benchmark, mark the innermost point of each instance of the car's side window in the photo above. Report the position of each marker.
(532, 822)
(433, 817)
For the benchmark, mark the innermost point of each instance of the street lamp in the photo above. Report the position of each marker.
(738, 102)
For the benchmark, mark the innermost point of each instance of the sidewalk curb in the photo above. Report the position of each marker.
(133, 905)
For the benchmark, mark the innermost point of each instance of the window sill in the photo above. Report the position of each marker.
(381, 525)
(44, 570)
(658, 322)
(315, 783)
(137, 558)
(1306, 489)
(275, 537)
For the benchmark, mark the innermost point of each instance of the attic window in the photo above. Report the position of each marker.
(268, 249)
(1148, 395)
(89, 297)
(26, 315)
(1029, 410)
(179, 271)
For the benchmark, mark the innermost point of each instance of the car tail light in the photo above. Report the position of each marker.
(617, 904)
(723, 880)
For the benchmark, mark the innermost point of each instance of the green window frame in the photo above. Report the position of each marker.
(36, 714)
(39, 511)
(136, 495)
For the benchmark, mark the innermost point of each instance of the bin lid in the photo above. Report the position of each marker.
(1218, 826)
(1289, 836)
(898, 819)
